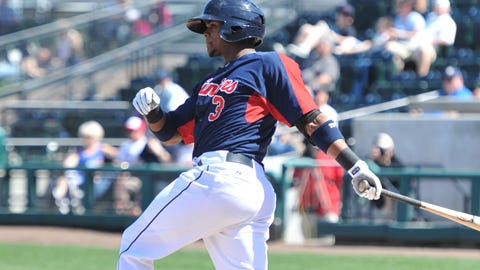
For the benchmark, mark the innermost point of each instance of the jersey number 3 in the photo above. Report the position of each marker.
(220, 104)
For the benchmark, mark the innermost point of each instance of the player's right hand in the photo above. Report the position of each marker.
(146, 100)
(360, 172)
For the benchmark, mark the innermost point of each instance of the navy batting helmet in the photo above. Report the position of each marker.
(242, 20)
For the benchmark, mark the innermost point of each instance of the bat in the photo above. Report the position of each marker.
(465, 219)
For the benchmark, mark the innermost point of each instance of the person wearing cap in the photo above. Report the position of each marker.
(382, 154)
(137, 149)
(171, 94)
(345, 16)
(453, 84)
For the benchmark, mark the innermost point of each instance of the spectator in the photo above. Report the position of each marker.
(10, 65)
(68, 189)
(322, 186)
(383, 155)
(117, 30)
(141, 27)
(159, 16)
(40, 64)
(453, 84)
(440, 31)
(406, 23)
(383, 27)
(9, 20)
(69, 47)
(421, 6)
(324, 71)
(137, 149)
(171, 94)
(381, 36)
(321, 97)
(343, 34)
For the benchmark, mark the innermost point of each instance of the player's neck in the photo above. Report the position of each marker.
(238, 54)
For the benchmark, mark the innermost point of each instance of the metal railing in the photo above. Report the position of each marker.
(24, 200)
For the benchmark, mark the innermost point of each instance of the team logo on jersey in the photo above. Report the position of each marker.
(211, 89)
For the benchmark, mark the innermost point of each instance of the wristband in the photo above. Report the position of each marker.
(347, 158)
(167, 131)
(154, 115)
(325, 135)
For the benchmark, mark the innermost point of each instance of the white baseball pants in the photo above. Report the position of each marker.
(228, 205)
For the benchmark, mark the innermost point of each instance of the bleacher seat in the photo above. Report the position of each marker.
(465, 31)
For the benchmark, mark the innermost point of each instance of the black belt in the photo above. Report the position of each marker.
(240, 159)
(237, 158)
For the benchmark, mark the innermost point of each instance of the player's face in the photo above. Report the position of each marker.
(212, 38)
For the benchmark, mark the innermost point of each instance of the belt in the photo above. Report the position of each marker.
(240, 159)
(236, 158)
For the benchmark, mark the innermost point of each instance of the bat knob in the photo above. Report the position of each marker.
(363, 186)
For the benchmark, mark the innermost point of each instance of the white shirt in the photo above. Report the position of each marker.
(130, 150)
(440, 28)
(330, 112)
(171, 96)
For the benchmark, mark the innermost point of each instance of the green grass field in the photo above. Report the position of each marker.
(33, 257)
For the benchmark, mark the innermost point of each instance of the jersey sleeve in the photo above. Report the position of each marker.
(182, 119)
(286, 92)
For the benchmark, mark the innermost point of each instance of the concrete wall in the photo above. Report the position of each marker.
(428, 140)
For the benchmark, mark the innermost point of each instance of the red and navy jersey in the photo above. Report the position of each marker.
(236, 108)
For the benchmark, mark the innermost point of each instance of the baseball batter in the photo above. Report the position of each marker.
(225, 199)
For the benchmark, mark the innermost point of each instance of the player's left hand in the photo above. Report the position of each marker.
(146, 100)
(359, 172)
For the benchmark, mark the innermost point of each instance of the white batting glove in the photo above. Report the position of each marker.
(146, 100)
(359, 172)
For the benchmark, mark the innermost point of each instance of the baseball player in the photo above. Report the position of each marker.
(225, 199)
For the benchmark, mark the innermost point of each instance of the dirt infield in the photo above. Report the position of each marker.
(84, 237)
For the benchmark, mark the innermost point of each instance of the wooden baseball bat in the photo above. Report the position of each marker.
(465, 219)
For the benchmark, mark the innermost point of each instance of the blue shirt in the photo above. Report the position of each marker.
(463, 93)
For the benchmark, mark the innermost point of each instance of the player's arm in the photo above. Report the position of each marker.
(325, 134)
(157, 121)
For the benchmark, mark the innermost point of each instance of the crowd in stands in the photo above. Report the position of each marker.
(39, 57)
(409, 41)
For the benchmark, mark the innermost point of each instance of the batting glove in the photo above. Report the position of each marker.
(146, 100)
(359, 172)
